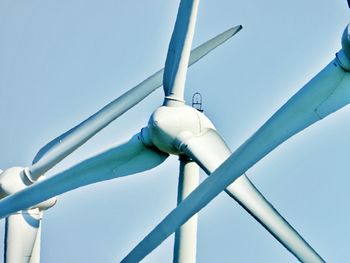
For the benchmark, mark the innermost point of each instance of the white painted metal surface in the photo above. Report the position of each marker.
(175, 70)
(326, 93)
(35, 258)
(175, 128)
(20, 236)
(185, 246)
(211, 151)
(60, 147)
(16, 179)
(13, 180)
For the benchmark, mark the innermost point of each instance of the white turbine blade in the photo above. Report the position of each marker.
(185, 245)
(179, 50)
(56, 150)
(327, 92)
(21, 230)
(205, 48)
(126, 159)
(211, 151)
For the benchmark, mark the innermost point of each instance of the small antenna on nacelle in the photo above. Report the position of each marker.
(197, 101)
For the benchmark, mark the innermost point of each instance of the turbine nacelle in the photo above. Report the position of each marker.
(167, 124)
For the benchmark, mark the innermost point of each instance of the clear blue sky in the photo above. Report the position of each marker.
(63, 60)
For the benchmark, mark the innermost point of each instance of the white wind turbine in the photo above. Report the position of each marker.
(23, 228)
(173, 128)
(326, 93)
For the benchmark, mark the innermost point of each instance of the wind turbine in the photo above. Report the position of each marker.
(326, 93)
(23, 228)
(173, 128)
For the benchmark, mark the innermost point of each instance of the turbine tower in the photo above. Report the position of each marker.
(175, 128)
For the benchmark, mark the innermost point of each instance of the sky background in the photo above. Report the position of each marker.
(61, 61)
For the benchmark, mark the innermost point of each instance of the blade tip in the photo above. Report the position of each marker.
(239, 28)
(235, 29)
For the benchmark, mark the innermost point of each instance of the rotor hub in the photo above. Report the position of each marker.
(167, 125)
(14, 180)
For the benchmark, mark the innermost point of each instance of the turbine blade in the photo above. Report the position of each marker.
(211, 151)
(126, 159)
(21, 231)
(205, 48)
(179, 50)
(327, 92)
(56, 150)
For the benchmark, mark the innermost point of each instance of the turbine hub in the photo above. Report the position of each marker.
(167, 124)
(16, 179)
(13, 180)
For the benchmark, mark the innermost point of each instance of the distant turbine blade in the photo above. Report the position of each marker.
(126, 159)
(205, 48)
(324, 94)
(59, 148)
(179, 50)
(211, 151)
(21, 231)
